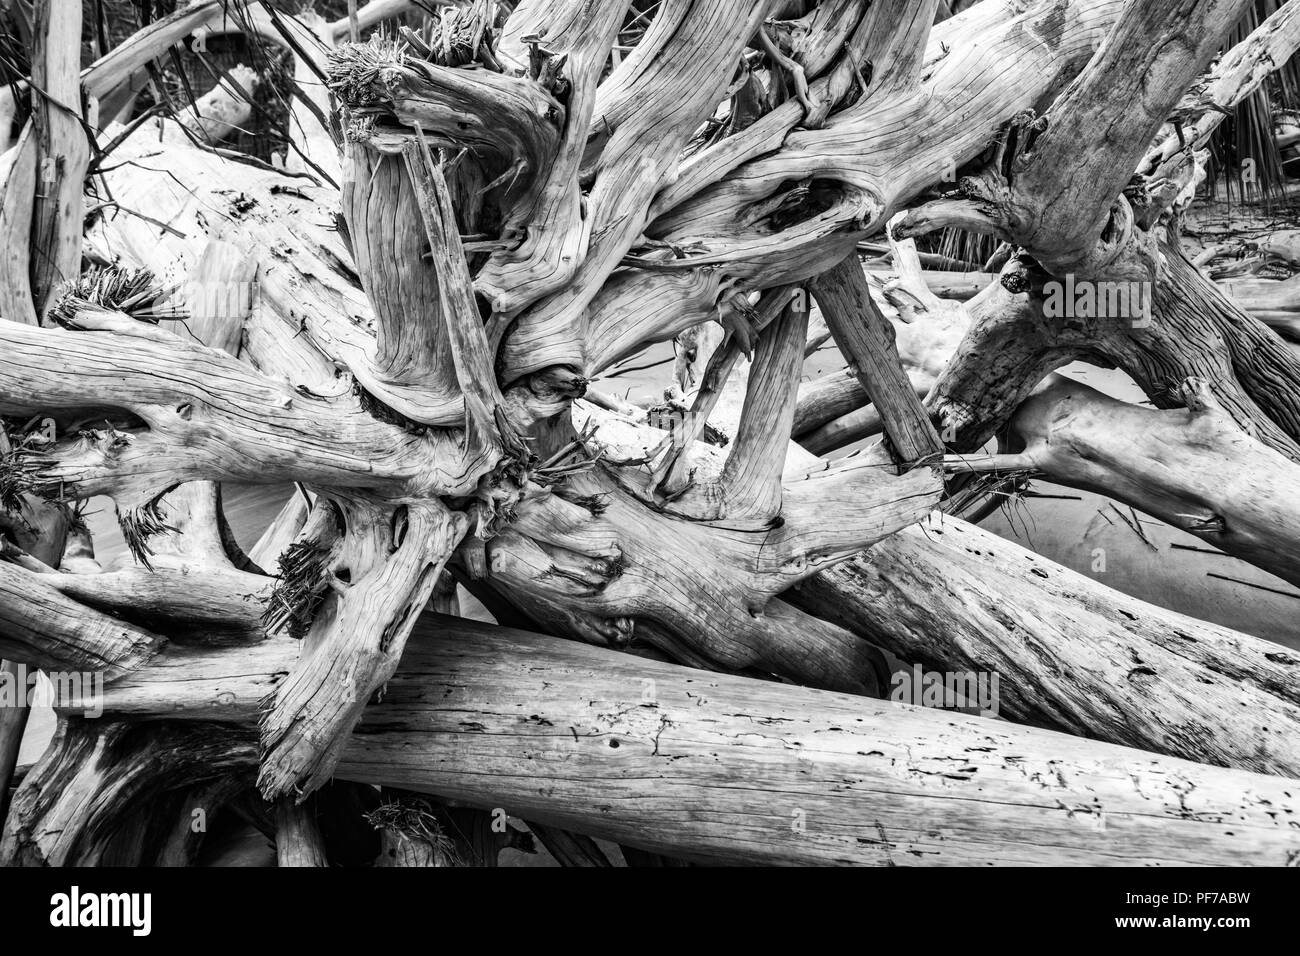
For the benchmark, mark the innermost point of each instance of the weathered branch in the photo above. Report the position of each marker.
(1063, 204)
(467, 343)
(62, 151)
(747, 494)
(13, 724)
(866, 339)
(1240, 72)
(673, 470)
(381, 205)
(1193, 468)
(546, 234)
(231, 421)
(1181, 326)
(380, 574)
(648, 107)
(852, 156)
(42, 628)
(18, 185)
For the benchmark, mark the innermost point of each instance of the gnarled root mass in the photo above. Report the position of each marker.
(486, 207)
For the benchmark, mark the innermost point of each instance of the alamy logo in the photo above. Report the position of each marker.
(975, 691)
(1085, 299)
(67, 690)
(74, 909)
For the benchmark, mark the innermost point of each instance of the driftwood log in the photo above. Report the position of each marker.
(569, 735)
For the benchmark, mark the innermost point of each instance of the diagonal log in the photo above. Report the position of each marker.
(747, 494)
(673, 471)
(187, 580)
(866, 339)
(826, 399)
(381, 575)
(41, 627)
(750, 484)
(1187, 327)
(1072, 654)
(1155, 50)
(117, 66)
(467, 344)
(1240, 72)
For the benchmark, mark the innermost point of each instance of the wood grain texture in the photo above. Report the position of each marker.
(17, 191)
(867, 341)
(1072, 653)
(877, 783)
(727, 769)
(62, 151)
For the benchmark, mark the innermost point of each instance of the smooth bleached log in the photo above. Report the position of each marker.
(748, 771)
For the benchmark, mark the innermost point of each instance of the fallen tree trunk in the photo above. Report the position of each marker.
(744, 771)
(1072, 653)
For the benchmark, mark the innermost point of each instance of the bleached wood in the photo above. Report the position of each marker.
(1073, 654)
(569, 735)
